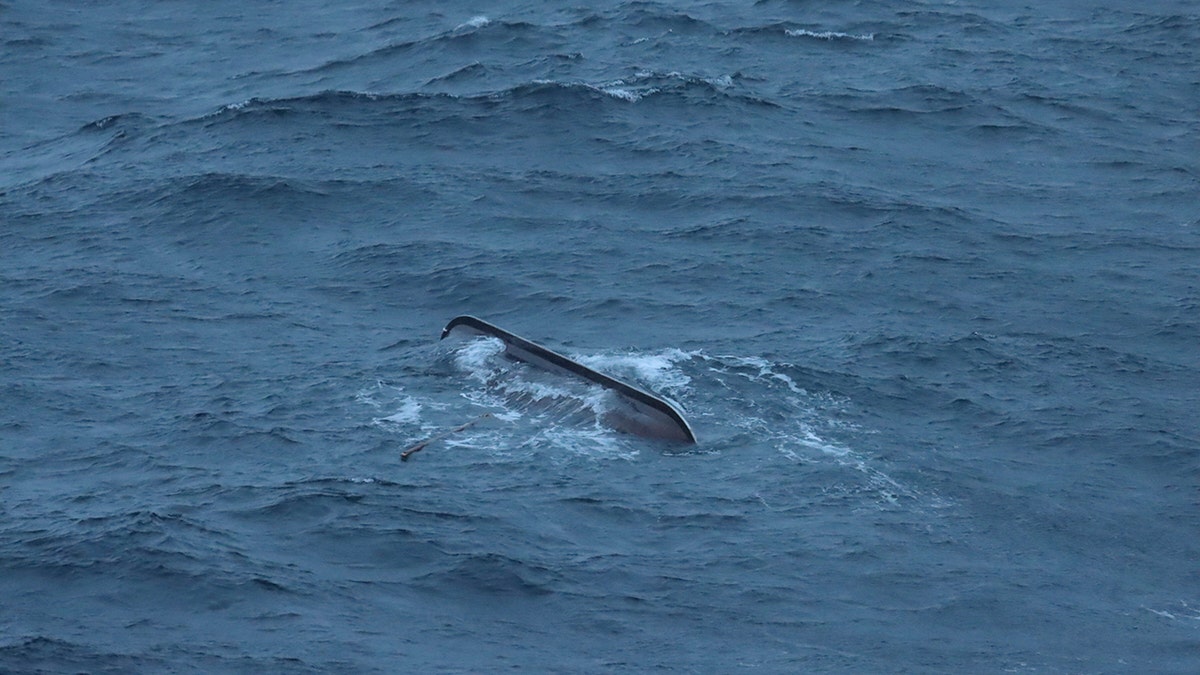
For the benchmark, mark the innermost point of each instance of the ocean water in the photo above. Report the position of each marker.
(924, 277)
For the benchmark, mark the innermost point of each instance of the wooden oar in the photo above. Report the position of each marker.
(420, 446)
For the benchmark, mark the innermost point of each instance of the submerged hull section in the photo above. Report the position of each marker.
(636, 412)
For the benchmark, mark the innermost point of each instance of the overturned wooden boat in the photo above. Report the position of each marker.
(635, 411)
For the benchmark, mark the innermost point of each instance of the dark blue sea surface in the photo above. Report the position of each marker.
(924, 277)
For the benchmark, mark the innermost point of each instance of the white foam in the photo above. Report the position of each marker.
(807, 425)
(380, 395)
(409, 413)
(658, 370)
(476, 356)
(881, 484)
(765, 370)
(625, 94)
(593, 441)
(228, 107)
(805, 436)
(403, 410)
(368, 396)
(560, 416)
(535, 390)
(828, 35)
(722, 82)
(474, 22)
(639, 86)
(492, 400)
(1183, 613)
(556, 442)
(622, 90)
(513, 391)
(809, 438)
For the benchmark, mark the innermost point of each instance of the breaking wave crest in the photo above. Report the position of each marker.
(828, 35)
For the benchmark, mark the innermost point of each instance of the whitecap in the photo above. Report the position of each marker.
(474, 22)
(722, 82)
(828, 35)
(621, 90)
(623, 94)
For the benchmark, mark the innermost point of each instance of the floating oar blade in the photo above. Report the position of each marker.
(639, 412)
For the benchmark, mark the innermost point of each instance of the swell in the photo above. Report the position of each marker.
(471, 575)
(474, 34)
(146, 546)
(73, 152)
(841, 38)
(560, 97)
(45, 653)
(636, 23)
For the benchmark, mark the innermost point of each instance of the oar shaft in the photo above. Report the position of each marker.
(421, 446)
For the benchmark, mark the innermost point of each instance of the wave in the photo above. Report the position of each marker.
(40, 653)
(476, 574)
(642, 85)
(651, 16)
(74, 151)
(551, 96)
(340, 105)
(1172, 28)
(441, 273)
(1180, 611)
(220, 187)
(471, 71)
(828, 35)
(768, 402)
(792, 30)
(960, 22)
(659, 371)
(674, 84)
(139, 544)
(922, 99)
(474, 22)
